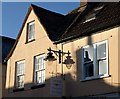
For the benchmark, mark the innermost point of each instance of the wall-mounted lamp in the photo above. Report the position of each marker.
(68, 61)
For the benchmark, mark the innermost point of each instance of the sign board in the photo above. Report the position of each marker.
(56, 86)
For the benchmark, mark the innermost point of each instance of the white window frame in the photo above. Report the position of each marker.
(95, 61)
(40, 70)
(20, 74)
(29, 32)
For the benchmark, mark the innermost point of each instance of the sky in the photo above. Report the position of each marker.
(13, 14)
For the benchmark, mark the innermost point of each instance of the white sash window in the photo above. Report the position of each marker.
(39, 70)
(95, 60)
(31, 31)
(20, 74)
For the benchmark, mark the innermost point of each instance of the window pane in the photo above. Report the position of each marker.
(39, 63)
(20, 84)
(88, 69)
(39, 78)
(20, 74)
(36, 63)
(30, 35)
(20, 80)
(31, 31)
(43, 76)
(101, 51)
(42, 62)
(39, 69)
(31, 27)
(88, 54)
(102, 67)
(20, 68)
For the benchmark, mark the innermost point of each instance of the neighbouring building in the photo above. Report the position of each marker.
(5, 46)
(90, 33)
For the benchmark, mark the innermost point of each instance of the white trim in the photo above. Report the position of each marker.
(29, 32)
(95, 60)
(19, 62)
(106, 42)
(32, 22)
(83, 63)
(41, 70)
(95, 64)
(94, 78)
(19, 75)
(99, 8)
(90, 19)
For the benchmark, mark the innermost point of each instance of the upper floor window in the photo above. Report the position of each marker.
(20, 74)
(31, 31)
(95, 60)
(39, 70)
(92, 16)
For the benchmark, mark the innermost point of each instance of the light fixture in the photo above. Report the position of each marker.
(50, 56)
(68, 61)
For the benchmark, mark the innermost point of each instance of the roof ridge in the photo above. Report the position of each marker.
(76, 9)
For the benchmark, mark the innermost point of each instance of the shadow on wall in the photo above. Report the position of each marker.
(71, 86)
(76, 86)
(53, 88)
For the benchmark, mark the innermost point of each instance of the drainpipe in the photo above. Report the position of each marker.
(62, 74)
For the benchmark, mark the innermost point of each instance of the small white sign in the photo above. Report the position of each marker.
(56, 86)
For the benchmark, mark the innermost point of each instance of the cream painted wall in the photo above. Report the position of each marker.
(73, 86)
(28, 51)
(98, 86)
(119, 56)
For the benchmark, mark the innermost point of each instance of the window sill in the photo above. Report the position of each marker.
(18, 89)
(38, 86)
(95, 78)
(29, 41)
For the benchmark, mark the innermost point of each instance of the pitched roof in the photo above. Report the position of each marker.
(104, 14)
(50, 21)
(55, 24)
(6, 45)
(61, 28)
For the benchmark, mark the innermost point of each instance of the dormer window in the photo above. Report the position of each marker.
(31, 31)
(93, 14)
(90, 18)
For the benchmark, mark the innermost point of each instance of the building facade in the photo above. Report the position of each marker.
(90, 33)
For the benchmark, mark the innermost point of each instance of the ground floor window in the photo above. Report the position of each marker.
(20, 74)
(39, 70)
